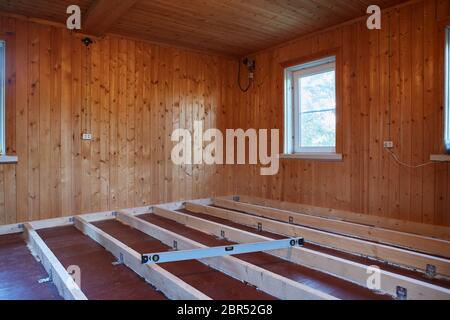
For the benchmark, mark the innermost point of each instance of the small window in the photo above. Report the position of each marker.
(447, 93)
(311, 107)
(2, 98)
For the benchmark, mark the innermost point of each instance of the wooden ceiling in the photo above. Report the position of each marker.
(232, 27)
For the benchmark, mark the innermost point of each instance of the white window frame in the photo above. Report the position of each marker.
(447, 92)
(2, 98)
(292, 107)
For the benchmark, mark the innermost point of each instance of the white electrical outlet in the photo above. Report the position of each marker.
(87, 136)
(389, 144)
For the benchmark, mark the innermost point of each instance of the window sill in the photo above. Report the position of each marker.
(8, 159)
(440, 157)
(313, 156)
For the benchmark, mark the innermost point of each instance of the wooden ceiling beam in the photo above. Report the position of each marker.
(102, 14)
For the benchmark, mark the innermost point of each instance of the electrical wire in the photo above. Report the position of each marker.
(394, 156)
(239, 79)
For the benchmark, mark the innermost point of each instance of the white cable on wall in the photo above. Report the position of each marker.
(394, 156)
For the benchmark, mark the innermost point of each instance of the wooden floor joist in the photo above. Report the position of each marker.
(269, 282)
(170, 285)
(439, 232)
(402, 239)
(348, 270)
(65, 284)
(11, 229)
(59, 222)
(398, 256)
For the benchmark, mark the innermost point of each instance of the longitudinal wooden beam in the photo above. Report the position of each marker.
(378, 251)
(345, 269)
(65, 284)
(440, 232)
(11, 229)
(269, 282)
(173, 287)
(56, 222)
(103, 14)
(401, 239)
(91, 217)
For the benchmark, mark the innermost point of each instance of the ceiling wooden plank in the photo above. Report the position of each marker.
(104, 13)
(229, 27)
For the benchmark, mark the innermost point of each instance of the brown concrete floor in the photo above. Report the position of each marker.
(20, 272)
(100, 279)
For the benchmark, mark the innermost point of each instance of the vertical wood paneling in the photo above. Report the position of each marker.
(139, 122)
(33, 120)
(406, 28)
(21, 107)
(129, 95)
(95, 111)
(85, 146)
(77, 128)
(113, 122)
(130, 141)
(105, 94)
(44, 143)
(55, 122)
(147, 126)
(67, 148)
(417, 104)
(428, 205)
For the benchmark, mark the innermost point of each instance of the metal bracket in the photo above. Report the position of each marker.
(431, 271)
(45, 280)
(291, 220)
(300, 242)
(48, 279)
(197, 254)
(236, 198)
(402, 293)
(175, 245)
(222, 234)
(71, 219)
(260, 227)
(118, 262)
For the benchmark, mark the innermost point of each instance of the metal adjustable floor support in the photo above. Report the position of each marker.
(196, 254)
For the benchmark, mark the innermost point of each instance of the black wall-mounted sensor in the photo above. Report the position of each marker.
(87, 41)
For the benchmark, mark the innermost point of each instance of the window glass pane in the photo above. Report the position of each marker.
(318, 129)
(317, 110)
(318, 92)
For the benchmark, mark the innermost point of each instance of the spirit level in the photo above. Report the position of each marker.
(196, 254)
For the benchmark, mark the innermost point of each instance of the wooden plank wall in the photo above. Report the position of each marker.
(368, 180)
(130, 95)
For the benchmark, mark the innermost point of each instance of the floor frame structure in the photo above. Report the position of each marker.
(426, 251)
